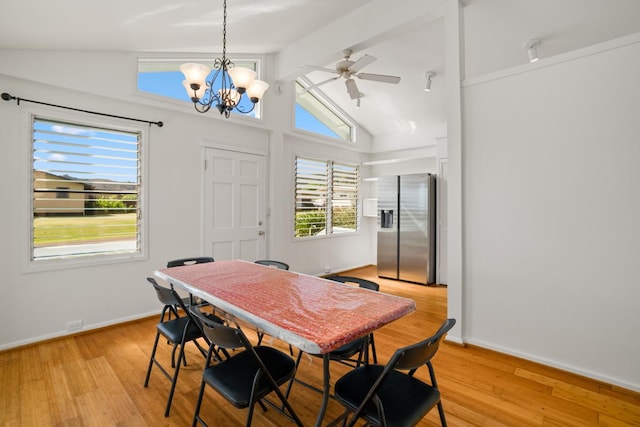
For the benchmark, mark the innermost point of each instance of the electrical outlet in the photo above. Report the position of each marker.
(327, 270)
(76, 325)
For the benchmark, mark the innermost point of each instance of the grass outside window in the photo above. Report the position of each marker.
(59, 230)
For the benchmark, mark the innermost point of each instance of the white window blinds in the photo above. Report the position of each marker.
(326, 199)
(86, 187)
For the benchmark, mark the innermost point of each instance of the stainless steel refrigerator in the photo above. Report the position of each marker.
(407, 228)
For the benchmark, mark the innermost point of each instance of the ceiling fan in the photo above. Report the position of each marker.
(349, 69)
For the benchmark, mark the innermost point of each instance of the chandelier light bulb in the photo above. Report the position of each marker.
(242, 77)
(195, 93)
(257, 90)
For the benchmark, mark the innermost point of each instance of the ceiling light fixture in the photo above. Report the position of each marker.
(532, 51)
(429, 75)
(228, 84)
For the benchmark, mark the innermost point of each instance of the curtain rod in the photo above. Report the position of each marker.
(9, 97)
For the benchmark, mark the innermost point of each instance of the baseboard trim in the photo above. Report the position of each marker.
(555, 364)
(86, 329)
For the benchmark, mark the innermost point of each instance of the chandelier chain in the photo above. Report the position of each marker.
(224, 30)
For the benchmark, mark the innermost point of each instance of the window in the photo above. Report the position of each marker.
(62, 192)
(86, 191)
(315, 115)
(326, 200)
(164, 78)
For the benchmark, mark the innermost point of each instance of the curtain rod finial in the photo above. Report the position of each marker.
(7, 97)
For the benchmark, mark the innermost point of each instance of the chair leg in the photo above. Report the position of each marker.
(174, 380)
(434, 383)
(342, 418)
(153, 355)
(196, 415)
(173, 357)
(443, 421)
(290, 385)
(373, 350)
(252, 402)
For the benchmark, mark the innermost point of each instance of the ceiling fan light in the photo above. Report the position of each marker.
(242, 77)
(256, 90)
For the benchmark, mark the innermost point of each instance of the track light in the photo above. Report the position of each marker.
(429, 75)
(532, 51)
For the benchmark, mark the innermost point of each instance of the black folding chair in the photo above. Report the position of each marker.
(273, 263)
(187, 261)
(385, 395)
(178, 332)
(282, 266)
(248, 376)
(345, 353)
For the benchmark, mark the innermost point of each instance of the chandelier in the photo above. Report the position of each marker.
(228, 85)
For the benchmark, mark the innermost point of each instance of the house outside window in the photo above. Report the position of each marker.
(326, 200)
(86, 191)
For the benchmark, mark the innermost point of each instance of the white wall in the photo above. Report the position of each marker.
(551, 209)
(46, 301)
(101, 295)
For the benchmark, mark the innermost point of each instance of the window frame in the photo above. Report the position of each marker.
(59, 263)
(329, 105)
(328, 198)
(186, 105)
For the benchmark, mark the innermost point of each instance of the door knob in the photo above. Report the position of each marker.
(260, 233)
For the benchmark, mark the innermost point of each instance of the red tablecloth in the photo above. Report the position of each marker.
(314, 314)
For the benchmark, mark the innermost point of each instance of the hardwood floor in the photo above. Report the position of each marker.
(95, 379)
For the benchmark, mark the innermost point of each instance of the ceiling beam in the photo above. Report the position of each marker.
(362, 28)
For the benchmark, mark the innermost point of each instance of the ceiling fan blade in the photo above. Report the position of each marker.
(309, 68)
(352, 89)
(379, 78)
(315, 85)
(361, 63)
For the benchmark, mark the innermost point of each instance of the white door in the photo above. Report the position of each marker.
(234, 212)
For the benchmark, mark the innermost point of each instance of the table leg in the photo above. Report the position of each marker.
(326, 388)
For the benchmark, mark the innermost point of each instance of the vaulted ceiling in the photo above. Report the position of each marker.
(406, 37)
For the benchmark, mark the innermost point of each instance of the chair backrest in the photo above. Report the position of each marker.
(363, 283)
(416, 355)
(221, 335)
(189, 261)
(165, 295)
(271, 263)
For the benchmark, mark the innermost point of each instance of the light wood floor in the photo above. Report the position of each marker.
(95, 379)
